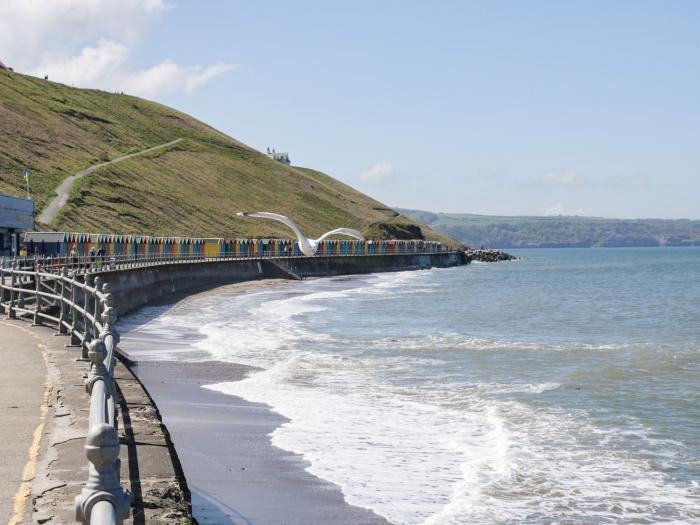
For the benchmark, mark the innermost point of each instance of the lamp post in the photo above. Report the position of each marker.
(25, 174)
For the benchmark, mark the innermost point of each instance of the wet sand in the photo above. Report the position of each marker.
(234, 473)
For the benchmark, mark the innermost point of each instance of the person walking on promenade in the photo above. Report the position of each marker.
(74, 256)
(93, 256)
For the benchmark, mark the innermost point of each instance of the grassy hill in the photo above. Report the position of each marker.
(545, 232)
(194, 187)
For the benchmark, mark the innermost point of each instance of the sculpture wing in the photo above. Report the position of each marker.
(342, 231)
(307, 246)
(304, 243)
(275, 217)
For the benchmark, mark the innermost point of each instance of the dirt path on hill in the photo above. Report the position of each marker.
(63, 191)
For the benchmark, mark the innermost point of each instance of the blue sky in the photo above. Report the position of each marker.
(478, 107)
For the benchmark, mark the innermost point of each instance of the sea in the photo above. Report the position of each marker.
(560, 388)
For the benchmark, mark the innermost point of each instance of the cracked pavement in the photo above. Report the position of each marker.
(40, 371)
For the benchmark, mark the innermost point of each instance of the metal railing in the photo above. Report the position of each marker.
(81, 307)
(68, 293)
(85, 264)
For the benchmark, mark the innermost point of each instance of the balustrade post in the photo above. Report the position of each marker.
(74, 340)
(37, 289)
(111, 337)
(97, 352)
(86, 308)
(11, 314)
(102, 450)
(2, 280)
(96, 302)
(63, 273)
(21, 281)
(109, 316)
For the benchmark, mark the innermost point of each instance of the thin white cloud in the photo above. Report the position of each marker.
(91, 67)
(380, 173)
(34, 30)
(106, 66)
(561, 178)
(86, 43)
(560, 209)
(168, 76)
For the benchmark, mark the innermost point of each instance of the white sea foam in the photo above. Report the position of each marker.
(527, 388)
(457, 342)
(396, 456)
(443, 452)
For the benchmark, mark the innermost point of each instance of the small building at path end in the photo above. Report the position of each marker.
(16, 217)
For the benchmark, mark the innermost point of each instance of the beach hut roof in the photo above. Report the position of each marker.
(45, 236)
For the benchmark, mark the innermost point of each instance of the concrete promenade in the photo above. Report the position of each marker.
(43, 437)
(23, 395)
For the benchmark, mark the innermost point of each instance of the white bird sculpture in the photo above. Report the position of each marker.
(308, 246)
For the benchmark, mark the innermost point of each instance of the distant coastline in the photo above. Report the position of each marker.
(695, 244)
(506, 232)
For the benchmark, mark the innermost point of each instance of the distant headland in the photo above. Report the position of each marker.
(559, 231)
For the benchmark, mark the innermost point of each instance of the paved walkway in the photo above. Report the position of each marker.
(43, 423)
(23, 395)
(63, 191)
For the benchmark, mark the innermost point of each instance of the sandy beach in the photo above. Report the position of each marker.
(234, 473)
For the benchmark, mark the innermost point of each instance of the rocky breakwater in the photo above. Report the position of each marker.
(489, 255)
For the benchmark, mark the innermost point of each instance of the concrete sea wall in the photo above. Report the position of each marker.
(326, 266)
(139, 286)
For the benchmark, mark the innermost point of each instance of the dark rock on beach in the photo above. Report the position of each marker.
(489, 255)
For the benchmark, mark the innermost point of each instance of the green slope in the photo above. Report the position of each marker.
(194, 187)
(545, 232)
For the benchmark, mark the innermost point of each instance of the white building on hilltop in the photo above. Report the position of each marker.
(278, 156)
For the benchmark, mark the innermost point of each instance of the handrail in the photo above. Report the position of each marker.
(37, 287)
(100, 263)
(103, 501)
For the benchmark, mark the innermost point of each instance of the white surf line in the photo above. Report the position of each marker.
(63, 191)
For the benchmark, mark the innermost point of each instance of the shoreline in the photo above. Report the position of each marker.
(233, 471)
